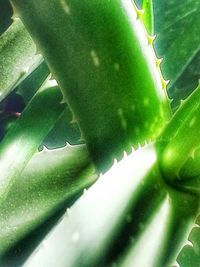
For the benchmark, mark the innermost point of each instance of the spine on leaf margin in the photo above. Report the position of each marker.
(165, 222)
(103, 60)
(49, 180)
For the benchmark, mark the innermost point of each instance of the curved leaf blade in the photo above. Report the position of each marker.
(17, 57)
(50, 178)
(148, 17)
(176, 42)
(22, 141)
(99, 53)
(183, 128)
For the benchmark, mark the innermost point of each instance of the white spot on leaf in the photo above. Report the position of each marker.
(122, 118)
(116, 66)
(146, 101)
(65, 7)
(192, 122)
(95, 58)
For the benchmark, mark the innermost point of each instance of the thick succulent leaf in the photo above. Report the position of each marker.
(148, 16)
(29, 86)
(177, 27)
(96, 223)
(187, 82)
(5, 15)
(99, 53)
(192, 166)
(190, 254)
(17, 57)
(64, 130)
(50, 178)
(180, 138)
(14, 103)
(30, 129)
(190, 173)
(166, 233)
(89, 225)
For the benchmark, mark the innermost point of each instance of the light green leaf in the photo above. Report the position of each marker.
(29, 86)
(22, 141)
(99, 53)
(17, 57)
(148, 16)
(48, 181)
(180, 138)
(95, 224)
(190, 254)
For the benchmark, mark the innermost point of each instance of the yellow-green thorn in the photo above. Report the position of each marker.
(15, 18)
(37, 52)
(139, 12)
(15, 15)
(164, 83)
(81, 139)
(73, 120)
(150, 39)
(158, 62)
(191, 154)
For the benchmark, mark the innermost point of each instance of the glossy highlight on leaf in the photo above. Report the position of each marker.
(183, 128)
(17, 57)
(105, 61)
(22, 141)
(99, 52)
(48, 181)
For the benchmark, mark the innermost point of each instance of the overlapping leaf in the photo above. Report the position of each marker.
(190, 254)
(109, 227)
(17, 57)
(30, 129)
(99, 53)
(178, 42)
(49, 179)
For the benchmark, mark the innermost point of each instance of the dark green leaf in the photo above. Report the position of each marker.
(178, 40)
(50, 178)
(99, 53)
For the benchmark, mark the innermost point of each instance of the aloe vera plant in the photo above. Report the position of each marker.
(90, 73)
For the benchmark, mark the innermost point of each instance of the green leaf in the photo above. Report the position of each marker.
(190, 173)
(187, 82)
(101, 217)
(177, 27)
(48, 181)
(5, 15)
(99, 53)
(165, 235)
(96, 216)
(148, 16)
(30, 129)
(190, 254)
(29, 86)
(64, 130)
(180, 138)
(17, 57)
